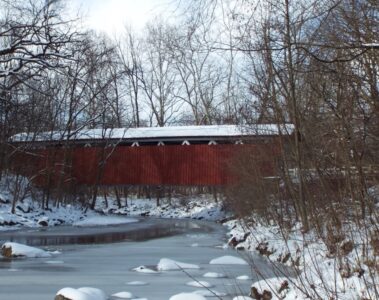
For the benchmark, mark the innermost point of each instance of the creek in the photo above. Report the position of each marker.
(105, 256)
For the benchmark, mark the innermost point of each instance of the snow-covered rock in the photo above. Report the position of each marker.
(44, 221)
(10, 249)
(166, 264)
(228, 260)
(83, 293)
(143, 269)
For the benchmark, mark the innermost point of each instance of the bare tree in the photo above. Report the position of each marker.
(130, 56)
(34, 42)
(159, 79)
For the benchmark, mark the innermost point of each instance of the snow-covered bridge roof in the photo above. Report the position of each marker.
(158, 133)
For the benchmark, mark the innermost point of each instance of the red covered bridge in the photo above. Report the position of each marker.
(175, 156)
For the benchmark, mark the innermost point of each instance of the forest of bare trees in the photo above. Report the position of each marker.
(315, 64)
(310, 63)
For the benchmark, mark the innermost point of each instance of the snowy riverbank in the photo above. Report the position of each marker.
(346, 268)
(28, 214)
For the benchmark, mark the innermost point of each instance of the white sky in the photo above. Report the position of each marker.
(109, 16)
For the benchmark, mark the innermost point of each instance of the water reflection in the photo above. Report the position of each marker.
(141, 231)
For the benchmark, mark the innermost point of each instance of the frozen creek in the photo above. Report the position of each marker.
(104, 257)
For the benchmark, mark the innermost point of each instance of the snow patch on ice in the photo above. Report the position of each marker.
(200, 283)
(166, 264)
(243, 277)
(187, 296)
(123, 295)
(228, 260)
(104, 220)
(137, 283)
(214, 275)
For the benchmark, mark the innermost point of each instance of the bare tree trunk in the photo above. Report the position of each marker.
(118, 199)
(301, 203)
(126, 194)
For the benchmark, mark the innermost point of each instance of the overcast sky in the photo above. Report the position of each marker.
(110, 15)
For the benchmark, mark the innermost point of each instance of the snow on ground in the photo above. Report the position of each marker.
(19, 250)
(321, 274)
(201, 207)
(166, 264)
(28, 213)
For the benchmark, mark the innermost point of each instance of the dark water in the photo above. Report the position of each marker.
(143, 230)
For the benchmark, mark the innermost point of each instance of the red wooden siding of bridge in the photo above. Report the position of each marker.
(206, 165)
